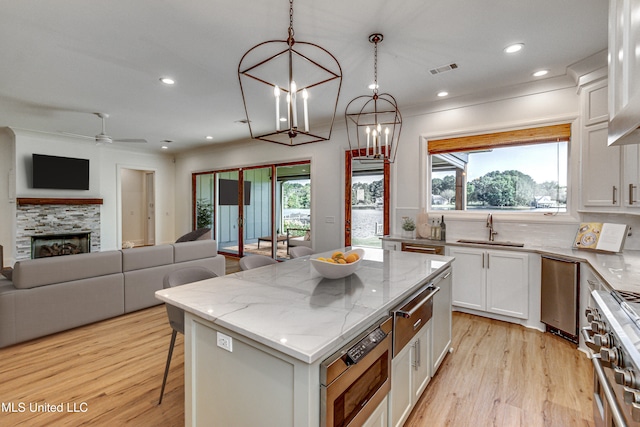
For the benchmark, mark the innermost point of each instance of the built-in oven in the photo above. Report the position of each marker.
(357, 378)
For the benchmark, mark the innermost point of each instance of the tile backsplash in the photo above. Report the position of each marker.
(537, 233)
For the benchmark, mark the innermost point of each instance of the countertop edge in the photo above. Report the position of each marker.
(332, 346)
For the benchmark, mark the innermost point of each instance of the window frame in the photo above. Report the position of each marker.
(573, 153)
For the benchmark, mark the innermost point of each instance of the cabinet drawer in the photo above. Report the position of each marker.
(423, 248)
(411, 317)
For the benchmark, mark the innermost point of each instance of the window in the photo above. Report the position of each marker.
(512, 171)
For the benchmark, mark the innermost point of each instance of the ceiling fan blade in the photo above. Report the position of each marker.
(78, 135)
(129, 140)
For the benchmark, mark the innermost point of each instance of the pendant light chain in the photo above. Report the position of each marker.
(290, 39)
(375, 67)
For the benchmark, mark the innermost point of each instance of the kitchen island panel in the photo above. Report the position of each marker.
(251, 385)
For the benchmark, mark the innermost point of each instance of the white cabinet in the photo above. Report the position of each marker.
(624, 67)
(410, 374)
(631, 183)
(390, 245)
(441, 329)
(604, 182)
(493, 281)
(600, 168)
(380, 416)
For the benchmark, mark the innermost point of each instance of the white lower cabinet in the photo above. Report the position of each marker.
(410, 374)
(380, 416)
(441, 329)
(493, 281)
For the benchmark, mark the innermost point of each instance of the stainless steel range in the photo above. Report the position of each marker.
(614, 338)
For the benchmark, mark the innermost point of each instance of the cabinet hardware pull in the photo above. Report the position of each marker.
(488, 258)
(615, 193)
(418, 355)
(417, 324)
(482, 259)
(408, 314)
(631, 187)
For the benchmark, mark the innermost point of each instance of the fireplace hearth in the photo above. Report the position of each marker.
(60, 244)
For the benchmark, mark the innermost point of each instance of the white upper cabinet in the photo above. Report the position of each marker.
(600, 168)
(624, 68)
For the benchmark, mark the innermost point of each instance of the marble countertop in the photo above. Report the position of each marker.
(292, 309)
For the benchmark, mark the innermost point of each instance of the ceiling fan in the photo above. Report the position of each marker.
(103, 138)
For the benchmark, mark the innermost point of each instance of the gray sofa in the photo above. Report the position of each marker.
(49, 295)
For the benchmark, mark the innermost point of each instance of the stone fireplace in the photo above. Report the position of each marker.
(60, 244)
(50, 221)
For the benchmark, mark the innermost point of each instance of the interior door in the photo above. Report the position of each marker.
(366, 202)
(151, 208)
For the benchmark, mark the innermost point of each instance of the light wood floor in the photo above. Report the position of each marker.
(499, 374)
(505, 375)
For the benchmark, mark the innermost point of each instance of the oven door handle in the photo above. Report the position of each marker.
(608, 392)
(408, 314)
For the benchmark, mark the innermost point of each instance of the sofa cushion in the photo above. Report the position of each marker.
(199, 249)
(32, 273)
(140, 286)
(49, 309)
(146, 257)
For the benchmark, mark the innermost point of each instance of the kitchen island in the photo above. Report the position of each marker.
(254, 340)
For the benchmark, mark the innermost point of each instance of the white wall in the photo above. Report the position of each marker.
(327, 158)
(104, 181)
(112, 162)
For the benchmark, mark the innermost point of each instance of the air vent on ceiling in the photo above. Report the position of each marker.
(443, 68)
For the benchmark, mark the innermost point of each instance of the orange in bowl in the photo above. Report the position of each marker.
(339, 265)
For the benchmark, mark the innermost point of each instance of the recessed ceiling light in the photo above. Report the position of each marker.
(373, 86)
(283, 119)
(164, 147)
(208, 137)
(517, 47)
(443, 93)
(540, 73)
(167, 80)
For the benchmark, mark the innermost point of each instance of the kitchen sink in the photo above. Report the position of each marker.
(492, 243)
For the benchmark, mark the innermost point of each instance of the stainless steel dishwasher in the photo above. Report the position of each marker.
(559, 299)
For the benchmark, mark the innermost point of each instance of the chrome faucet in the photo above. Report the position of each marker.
(492, 233)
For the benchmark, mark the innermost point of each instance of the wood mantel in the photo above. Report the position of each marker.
(56, 201)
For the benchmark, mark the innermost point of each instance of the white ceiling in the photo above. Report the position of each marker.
(60, 61)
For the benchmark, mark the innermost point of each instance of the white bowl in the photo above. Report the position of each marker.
(337, 271)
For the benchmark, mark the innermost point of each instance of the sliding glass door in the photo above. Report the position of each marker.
(258, 236)
(261, 216)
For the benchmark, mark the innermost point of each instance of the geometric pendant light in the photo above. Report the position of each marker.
(374, 121)
(290, 90)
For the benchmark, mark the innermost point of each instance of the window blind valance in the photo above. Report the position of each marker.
(488, 141)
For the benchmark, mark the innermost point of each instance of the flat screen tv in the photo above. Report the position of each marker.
(228, 192)
(64, 173)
